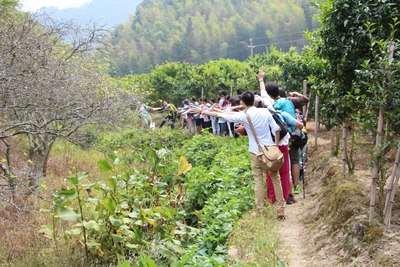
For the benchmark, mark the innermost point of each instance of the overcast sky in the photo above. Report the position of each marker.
(33, 5)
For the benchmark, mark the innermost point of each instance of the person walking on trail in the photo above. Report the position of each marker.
(261, 120)
(283, 146)
(145, 115)
(171, 114)
(222, 123)
(289, 104)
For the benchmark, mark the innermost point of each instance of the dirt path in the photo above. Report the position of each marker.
(293, 233)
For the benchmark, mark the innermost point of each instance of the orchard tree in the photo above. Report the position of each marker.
(270, 62)
(172, 81)
(345, 43)
(349, 33)
(48, 89)
(224, 74)
(294, 71)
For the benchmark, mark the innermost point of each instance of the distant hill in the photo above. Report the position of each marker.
(108, 12)
(196, 31)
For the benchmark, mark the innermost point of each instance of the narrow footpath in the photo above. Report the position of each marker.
(293, 235)
(292, 231)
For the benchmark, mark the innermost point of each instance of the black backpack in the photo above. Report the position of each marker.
(281, 124)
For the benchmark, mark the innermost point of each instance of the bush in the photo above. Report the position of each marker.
(162, 209)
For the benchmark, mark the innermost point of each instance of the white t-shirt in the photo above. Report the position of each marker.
(262, 121)
(221, 103)
(267, 99)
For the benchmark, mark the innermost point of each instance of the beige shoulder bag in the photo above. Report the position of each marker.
(270, 157)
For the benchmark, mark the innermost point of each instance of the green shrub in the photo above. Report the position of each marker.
(162, 208)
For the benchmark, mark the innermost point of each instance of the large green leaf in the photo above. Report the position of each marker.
(146, 261)
(115, 221)
(67, 193)
(124, 264)
(67, 213)
(81, 176)
(109, 205)
(91, 225)
(104, 165)
(73, 180)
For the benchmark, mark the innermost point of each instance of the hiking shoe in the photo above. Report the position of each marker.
(290, 199)
(297, 189)
(280, 214)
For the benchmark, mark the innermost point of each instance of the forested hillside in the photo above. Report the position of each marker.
(197, 31)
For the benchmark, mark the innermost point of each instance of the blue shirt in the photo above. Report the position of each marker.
(289, 120)
(284, 104)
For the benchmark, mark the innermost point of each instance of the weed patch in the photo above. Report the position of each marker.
(261, 249)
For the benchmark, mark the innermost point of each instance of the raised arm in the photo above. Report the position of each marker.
(266, 98)
(299, 100)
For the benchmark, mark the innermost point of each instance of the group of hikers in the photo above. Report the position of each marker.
(268, 118)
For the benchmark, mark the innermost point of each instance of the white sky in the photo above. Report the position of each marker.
(33, 5)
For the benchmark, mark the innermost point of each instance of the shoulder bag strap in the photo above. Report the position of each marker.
(252, 128)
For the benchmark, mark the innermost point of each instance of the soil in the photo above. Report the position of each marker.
(308, 232)
(293, 234)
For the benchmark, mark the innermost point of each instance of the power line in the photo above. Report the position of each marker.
(251, 46)
(278, 35)
(286, 42)
(230, 53)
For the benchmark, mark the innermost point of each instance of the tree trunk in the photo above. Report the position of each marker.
(332, 135)
(350, 157)
(304, 93)
(316, 121)
(46, 160)
(376, 161)
(394, 180)
(308, 108)
(39, 150)
(7, 169)
(344, 147)
(337, 146)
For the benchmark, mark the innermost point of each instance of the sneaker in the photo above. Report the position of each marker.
(290, 199)
(280, 214)
(297, 189)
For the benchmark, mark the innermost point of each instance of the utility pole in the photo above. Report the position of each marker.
(251, 46)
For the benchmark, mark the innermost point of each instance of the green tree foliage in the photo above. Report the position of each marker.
(223, 74)
(175, 81)
(196, 31)
(345, 43)
(172, 82)
(287, 69)
(357, 40)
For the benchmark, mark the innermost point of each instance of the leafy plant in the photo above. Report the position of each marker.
(165, 212)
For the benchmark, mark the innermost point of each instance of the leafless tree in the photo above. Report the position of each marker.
(51, 85)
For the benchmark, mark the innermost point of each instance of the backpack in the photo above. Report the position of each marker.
(281, 124)
(296, 140)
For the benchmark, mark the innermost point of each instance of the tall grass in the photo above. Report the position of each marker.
(21, 244)
(255, 241)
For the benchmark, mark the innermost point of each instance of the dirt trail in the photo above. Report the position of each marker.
(293, 234)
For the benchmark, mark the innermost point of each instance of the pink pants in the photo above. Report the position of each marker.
(284, 173)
